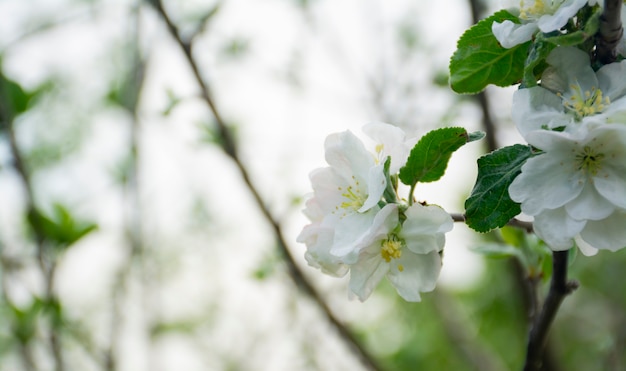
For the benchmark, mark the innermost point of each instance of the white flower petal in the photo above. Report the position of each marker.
(351, 233)
(584, 247)
(376, 184)
(546, 182)
(424, 228)
(573, 67)
(347, 154)
(510, 34)
(419, 273)
(325, 182)
(549, 23)
(557, 229)
(589, 204)
(366, 274)
(393, 143)
(607, 234)
(614, 113)
(537, 107)
(612, 87)
(355, 232)
(318, 240)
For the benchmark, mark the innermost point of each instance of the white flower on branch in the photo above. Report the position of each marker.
(355, 228)
(576, 187)
(408, 254)
(535, 15)
(572, 94)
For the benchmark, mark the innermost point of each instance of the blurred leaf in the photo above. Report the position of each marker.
(513, 236)
(181, 327)
(480, 60)
(236, 48)
(19, 100)
(62, 229)
(498, 250)
(172, 102)
(408, 35)
(25, 321)
(267, 266)
(441, 79)
(125, 92)
(54, 308)
(205, 18)
(489, 205)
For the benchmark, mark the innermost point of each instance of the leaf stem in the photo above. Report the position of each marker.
(559, 289)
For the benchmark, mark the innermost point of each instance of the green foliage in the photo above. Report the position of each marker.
(429, 158)
(480, 60)
(489, 205)
(536, 58)
(24, 321)
(61, 228)
(18, 99)
(172, 102)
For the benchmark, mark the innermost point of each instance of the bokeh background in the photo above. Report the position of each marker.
(129, 239)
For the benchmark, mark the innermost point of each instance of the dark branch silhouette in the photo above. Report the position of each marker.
(559, 289)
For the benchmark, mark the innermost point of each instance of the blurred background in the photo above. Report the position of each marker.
(149, 223)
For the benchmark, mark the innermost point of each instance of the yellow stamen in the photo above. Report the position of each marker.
(586, 103)
(391, 249)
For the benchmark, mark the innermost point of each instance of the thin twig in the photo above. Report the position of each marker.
(610, 33)
(229, 146)
(559, 289)
(46, 265)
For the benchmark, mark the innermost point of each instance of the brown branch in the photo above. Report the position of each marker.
(559, 289)
(228, 144)
(610, 33)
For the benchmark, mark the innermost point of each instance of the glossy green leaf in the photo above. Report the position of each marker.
(429, 158)
(489, 206)
(480, 60)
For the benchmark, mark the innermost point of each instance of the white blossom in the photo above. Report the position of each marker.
(577, 186)
(572, 94)
(535, 15)
(408, 254)
(347, 192)
(355, 229)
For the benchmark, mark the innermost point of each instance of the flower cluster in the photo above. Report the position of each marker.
(358, 224)
(575, 188)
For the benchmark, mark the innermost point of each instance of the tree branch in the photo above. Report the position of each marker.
(559, 289)
(229, 146)
(48, 268)
(611, 32)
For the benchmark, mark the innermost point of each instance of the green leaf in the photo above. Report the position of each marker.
(536, 57)
(489, 206)
(17, 98)
(62, 229)
(429, 158)
(480, 60)
(498, 250)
